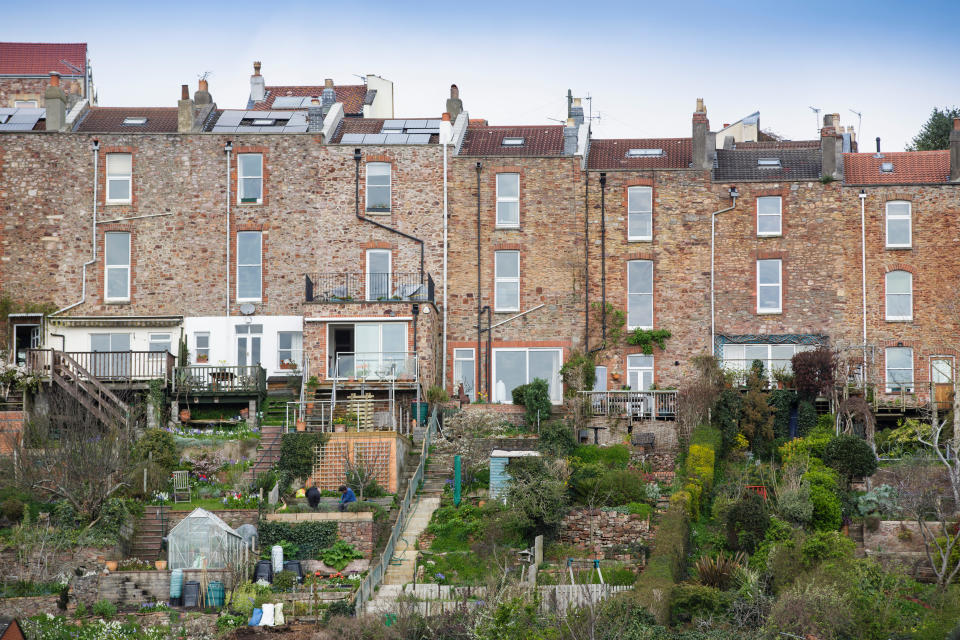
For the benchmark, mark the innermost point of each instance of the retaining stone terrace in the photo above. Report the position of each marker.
(137, 587)
(233, 517)
(600, 531)
(355, 528)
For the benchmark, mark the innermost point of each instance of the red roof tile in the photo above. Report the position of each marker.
(351, 95)
(39, 58)
(909, 167)
(110, 120)
(612, 154)
(540, 140)
(779, 144)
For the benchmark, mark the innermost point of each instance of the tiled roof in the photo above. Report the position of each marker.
(110, 120)
(909, 167)
(743, 164)
(40, 58)
(612, 154)
(539, 140)
(352, 96)
(364, 125)
(779, 144)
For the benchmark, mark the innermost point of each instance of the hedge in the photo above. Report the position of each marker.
(310, 537)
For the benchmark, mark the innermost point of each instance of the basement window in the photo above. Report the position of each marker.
(769, 163)
(886, 167)
(134, 121)
(513, 142)
(644, 153)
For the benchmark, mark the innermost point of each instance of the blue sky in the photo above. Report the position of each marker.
(644, 64)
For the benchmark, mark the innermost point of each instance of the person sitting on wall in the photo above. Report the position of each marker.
(313, 497)
(346, 497)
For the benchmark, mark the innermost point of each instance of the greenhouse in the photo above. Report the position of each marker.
(202, 540)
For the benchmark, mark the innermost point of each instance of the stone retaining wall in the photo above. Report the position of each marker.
(601, 531)
(233, 517)
(119, 587)
(43, 567)
(353, 527)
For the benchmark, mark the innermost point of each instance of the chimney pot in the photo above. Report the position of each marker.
(571, 122)
(445, 117)
(203, 85)
(54, 79)
(184, 92)
(956, 124)
(454, 92)
(577, 102)
(328, 83)
(878, 144)
(315, 100)
(256, 68)
(701, 108)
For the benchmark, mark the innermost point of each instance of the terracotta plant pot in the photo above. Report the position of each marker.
(112, 565)
(339, 428)
(161, 565)
(301, 425)
(184, 415)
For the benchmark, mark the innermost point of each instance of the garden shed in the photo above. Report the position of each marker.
(499, 476)
(202, 539)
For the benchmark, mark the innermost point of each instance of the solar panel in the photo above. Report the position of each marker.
(395, 138)
(297, 119)
(416, 124)
(433, 124)
(427, 131)
(394, 124)
(16, 126)
(374, 138)
(291, 102)
(3, 118)
(6, 111)
(297, 128)
(230, 118)
(418, 138)
(352, 138)
(219, 128)
(278, 115)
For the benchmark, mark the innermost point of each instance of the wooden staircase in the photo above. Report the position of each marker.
(86, 389)
(149, 531)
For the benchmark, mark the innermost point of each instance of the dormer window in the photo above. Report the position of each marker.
(644, 153)
(886, 167)
(513, 142)
(134, 121)
(769, 163)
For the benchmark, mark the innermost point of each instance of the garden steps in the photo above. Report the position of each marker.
(148, 533)
(402, 566)
(268, 451)
(856, 534)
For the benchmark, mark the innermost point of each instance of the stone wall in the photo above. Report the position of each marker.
(138, 587)
(601, 531)
(614, 430)
(233, 517)
(354, 527)
(42, 567)
(894, 536)
(11, 430)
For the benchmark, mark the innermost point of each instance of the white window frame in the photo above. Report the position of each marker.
(507, 200)
(557, 398)
(107, 267)
(887, 294)
(119, 177)
(778, 215)
(458, 358)
(22, 104)
(389, 187)
(197, 348)
(778, 285)
(241, 177)
(908, 216)
(909, 387)
(631, 293)
(631, 236)
(770, 365)
(639, 370)
(295, 350)
(933, 371)
(249, 265)
(498, 280)
(369, 283)
(159, 338)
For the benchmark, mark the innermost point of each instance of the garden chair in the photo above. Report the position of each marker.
(181, 486)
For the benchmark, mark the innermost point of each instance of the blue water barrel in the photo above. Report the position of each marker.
(215, 594)
(176, 583)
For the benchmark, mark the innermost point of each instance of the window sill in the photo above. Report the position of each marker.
(249, 204)
(891, 248)
(770, 313)
(639, 239)
(506, 310)
(770, 235)
(378, 212)
(898, 320)
(117, 301)
(118, 203)
(507, 227)
(249, 300)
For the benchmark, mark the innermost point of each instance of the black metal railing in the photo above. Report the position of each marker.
(368, 287)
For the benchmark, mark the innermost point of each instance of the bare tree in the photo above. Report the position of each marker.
(697, 396)
(66, 453)
(942, 452)
(370, 460)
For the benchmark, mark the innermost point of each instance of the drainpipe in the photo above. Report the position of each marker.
(228, 148)
(863, 278)
(489, 356)
(443, 359)
(480, 296)
(83, 277)
(586, 266)
(713, 232)
(356, 200)
(603, 256)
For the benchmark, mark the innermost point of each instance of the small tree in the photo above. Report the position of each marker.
(813, 372)
(366, 467)
(935, 133)
(851, 456)
(698, 396)
(757, 415)
(535, 398)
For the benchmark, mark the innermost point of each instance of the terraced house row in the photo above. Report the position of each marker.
(313, 231)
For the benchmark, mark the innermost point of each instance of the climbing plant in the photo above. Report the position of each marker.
(646, 338)
(616, 320)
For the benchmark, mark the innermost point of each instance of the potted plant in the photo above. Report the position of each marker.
(202, 358)
(301, 424)
(111, 565)
(288, 364)
(161, 565)
(340, 424)
(185, 414)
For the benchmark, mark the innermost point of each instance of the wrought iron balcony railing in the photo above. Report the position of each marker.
(368, 287)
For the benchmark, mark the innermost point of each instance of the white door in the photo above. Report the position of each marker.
(378, 274)
(248, 344)
(465, 372)
(639, 372)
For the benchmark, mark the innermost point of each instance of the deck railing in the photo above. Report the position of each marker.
(653, 404)
(368, 287)
(111, 366)
(349, 415)
(216, 379)
(375, 366)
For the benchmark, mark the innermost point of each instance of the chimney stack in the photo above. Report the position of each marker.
(258, 88)
(56, 104)
(955, 151)
(570, 137)
(185, 115)
(704, 143)
(575, 110)
(831, 148)
(315, 116)
(202, 96)
(454, 103)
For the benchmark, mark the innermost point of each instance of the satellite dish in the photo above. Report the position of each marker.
(426, 309)
(246, 308)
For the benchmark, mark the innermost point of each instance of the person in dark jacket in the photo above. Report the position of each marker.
(346, 497)
(313, 497)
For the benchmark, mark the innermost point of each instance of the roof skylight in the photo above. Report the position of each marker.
(513, 142)
(769, 163)
(263, 122)
(135, 120)
(886, 167)
(644, 153)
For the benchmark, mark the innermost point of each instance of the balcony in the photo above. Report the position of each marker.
(375, 366)
(370, 287)
(639, 405)
(218, 380)
(109, 366)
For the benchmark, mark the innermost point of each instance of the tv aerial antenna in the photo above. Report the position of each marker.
(816, 114)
